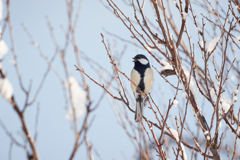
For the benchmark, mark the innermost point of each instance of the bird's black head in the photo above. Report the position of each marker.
(141, 60)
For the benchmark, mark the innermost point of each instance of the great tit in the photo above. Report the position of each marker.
(142, 77)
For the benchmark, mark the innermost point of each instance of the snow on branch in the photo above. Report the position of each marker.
(6, 88)
(175, 134)
(3, 49)
(166, 66)
(210, 45)
(78, 98)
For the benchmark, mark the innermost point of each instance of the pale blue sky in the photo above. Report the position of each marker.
(55, 137)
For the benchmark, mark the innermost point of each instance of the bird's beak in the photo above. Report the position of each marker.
(134, 59)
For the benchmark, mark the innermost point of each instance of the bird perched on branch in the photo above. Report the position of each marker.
(142, 77)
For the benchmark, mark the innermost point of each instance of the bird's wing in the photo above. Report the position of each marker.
(148, 80)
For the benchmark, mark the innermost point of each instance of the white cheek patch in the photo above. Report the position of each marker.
(143, 61)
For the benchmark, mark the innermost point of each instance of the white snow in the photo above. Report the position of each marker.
(184, 15)
(166, 65)
(78, 98)
(212, 44)
(201, 43)
(216, 81)
(206, 133)
(6, 88)
(175, 134)
(208, 138)
(150, 44)
(198, 29)
(3, 49)
(235, 98)
(235, 95)
(191, 84)
(198, 113)
(211, 10)
(237, 38)
(232, 78)
(147, 47)
(236, 91)
(175, 103)
(224, 105)
(213, 95)
(220, 124)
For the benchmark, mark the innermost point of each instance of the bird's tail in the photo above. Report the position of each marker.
(139, 108)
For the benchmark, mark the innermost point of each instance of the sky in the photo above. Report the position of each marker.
(55, 137)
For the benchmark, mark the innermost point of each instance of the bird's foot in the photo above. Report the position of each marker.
(147, 99)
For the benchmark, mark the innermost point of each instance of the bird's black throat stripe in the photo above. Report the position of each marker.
(141, 70)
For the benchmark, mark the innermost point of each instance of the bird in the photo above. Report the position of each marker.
(142, 76)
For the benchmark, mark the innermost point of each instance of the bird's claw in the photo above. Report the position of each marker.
(147, 99)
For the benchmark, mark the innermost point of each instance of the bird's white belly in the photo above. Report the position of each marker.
(148, 80)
